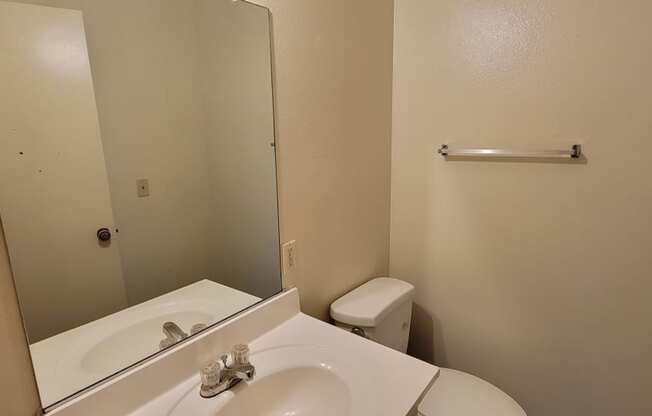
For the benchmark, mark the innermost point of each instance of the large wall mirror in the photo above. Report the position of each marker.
(137, 176)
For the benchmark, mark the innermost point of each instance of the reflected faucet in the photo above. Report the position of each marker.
(173, 334)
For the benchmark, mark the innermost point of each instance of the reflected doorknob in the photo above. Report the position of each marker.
(104, 234)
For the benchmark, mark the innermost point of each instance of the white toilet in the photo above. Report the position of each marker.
(381, 310)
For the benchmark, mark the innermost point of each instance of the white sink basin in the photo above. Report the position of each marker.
(290, 381)
(297, 391)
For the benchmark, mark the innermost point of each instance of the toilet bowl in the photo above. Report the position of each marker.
(381, 310)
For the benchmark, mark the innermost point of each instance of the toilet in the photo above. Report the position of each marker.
(381, 310)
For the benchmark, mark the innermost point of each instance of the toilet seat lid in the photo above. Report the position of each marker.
(455, 393)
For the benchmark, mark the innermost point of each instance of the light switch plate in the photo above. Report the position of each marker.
(142, 186)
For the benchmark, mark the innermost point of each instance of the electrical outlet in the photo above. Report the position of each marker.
(289, 254)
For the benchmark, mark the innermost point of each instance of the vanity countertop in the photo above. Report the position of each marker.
(304, 367)
(376, 380)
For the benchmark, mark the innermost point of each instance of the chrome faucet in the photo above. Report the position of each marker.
(173, 334)
(221, 375)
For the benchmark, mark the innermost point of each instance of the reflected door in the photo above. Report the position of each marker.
(54, 194)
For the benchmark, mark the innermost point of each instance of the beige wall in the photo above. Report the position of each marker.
(534, 276)
(18, 395)
(333, 95)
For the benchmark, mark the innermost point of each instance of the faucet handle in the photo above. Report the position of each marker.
(210, 374)
(197, 328)
(240, 354)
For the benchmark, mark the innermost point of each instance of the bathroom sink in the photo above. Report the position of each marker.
(290, 380)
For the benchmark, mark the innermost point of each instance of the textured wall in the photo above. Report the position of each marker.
(534, 276)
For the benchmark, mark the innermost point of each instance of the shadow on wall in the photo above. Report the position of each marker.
(426, 333)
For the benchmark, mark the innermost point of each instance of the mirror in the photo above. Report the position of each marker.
(137, 176)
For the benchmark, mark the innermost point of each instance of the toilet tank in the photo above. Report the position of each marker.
(380, 310)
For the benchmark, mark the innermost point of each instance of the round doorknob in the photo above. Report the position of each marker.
(104, 234)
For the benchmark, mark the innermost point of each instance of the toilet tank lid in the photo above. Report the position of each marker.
(370, 303)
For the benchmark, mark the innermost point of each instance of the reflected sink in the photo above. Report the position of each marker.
(72, 360)
(140, 339)
(290, 381)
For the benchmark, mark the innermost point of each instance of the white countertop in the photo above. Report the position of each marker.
(382, 381)
(304, 367)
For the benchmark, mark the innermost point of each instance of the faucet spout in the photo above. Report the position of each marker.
(242, 372)
(172, 330)
(173, 334)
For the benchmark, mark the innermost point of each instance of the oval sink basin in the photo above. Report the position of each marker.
(138, 340)
(293, 392)
(290, 381)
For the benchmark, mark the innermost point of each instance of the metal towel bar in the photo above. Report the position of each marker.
(573, 153)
